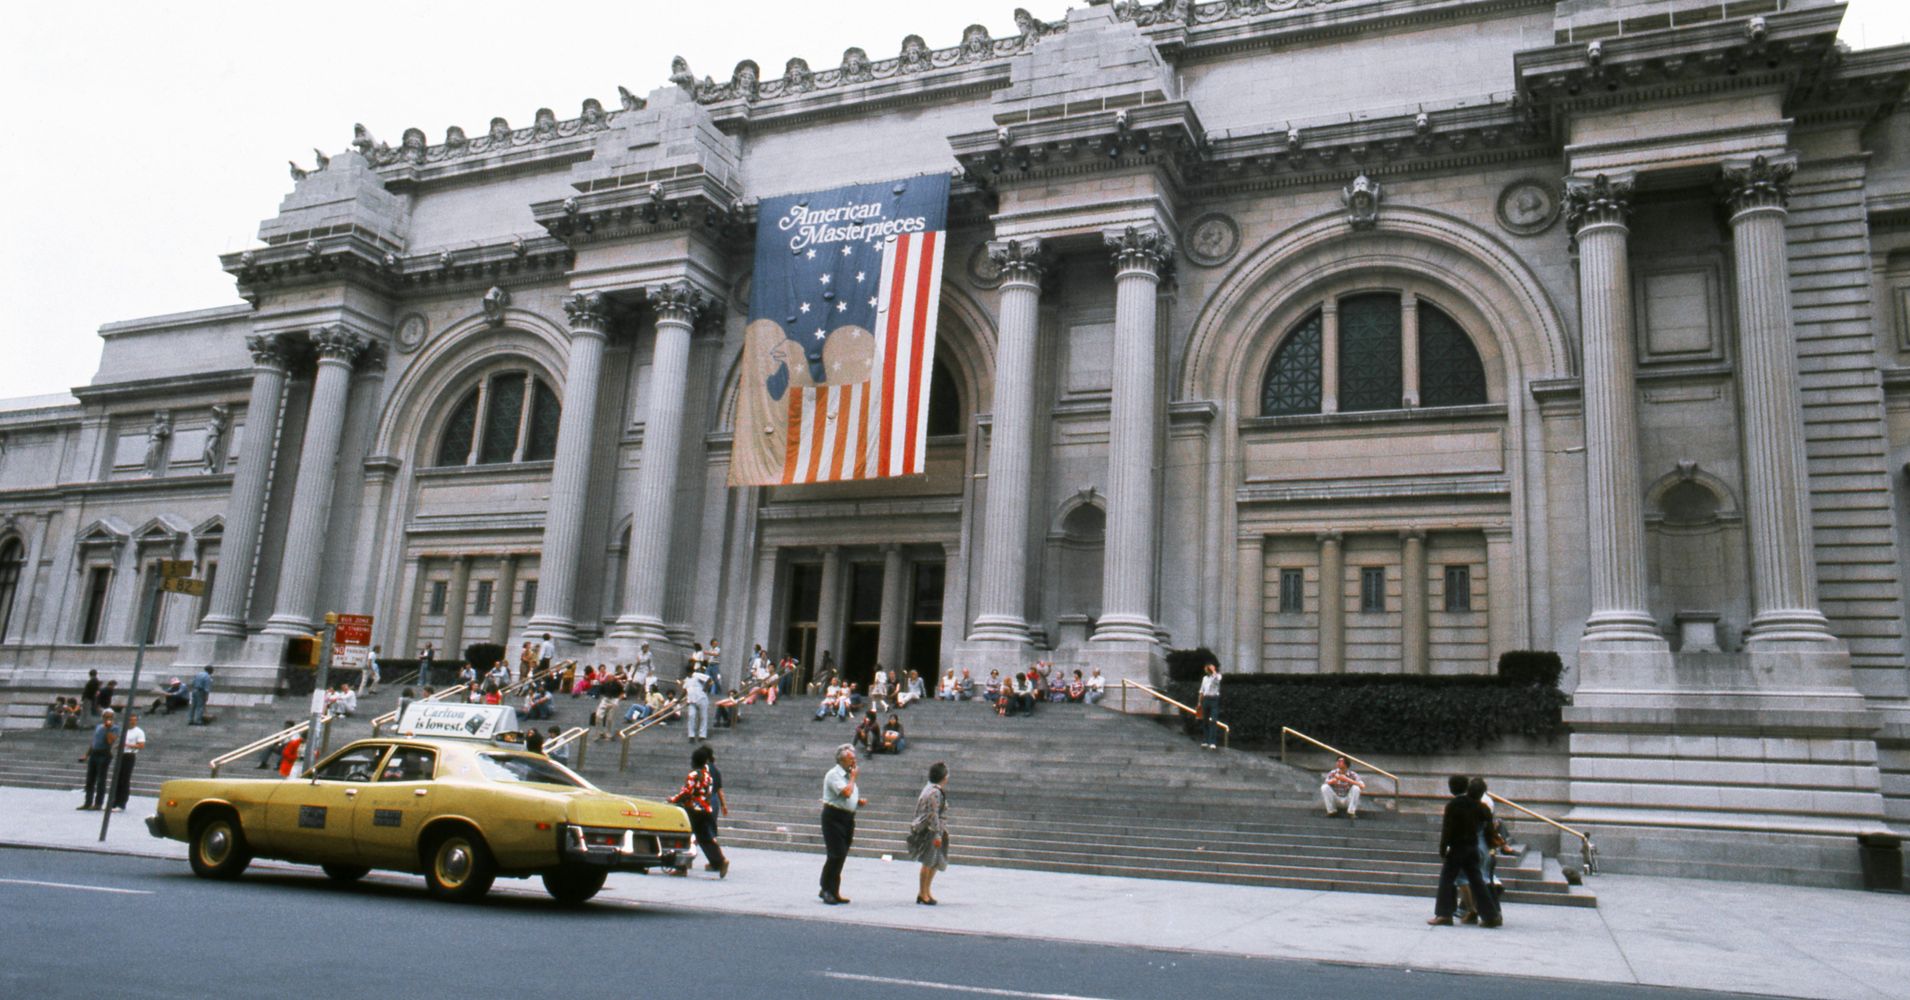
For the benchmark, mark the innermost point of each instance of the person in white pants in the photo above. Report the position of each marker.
(1341, 790)
(696, 691)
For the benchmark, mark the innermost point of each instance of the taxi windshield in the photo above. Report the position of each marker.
(525, 767)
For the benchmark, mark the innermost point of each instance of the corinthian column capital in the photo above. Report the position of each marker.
(269, 350)
(339, 343)
(1598, 200)
(1758, 183)
(589, 313)
(1138, 248)
(678, 302)
(1020, 261)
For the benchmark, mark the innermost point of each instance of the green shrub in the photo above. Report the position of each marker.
(1384, 713)
(1531, 666)
(483, 655)
(1188, 664)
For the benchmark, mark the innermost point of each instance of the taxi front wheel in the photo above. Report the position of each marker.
(218, 847)
(572, 886)
(458, 866)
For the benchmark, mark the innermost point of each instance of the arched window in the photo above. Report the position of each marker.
(509, 417)
(12, 558)
(944, 401)
(1366, 332)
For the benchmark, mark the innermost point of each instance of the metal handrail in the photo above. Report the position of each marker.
(669, 710)
(1226, 731)
(1286, 731)
(1589, 849)
(380, 722)
(260, 744)
(573, 735)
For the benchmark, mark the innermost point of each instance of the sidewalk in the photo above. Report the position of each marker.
(1653, 931)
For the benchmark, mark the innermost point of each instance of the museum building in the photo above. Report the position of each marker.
(1377, 336)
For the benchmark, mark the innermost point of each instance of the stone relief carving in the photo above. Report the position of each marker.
(410, 334)
(679, 74)
(158, 441)
(494, 304)
(212, 456)
(744, 81)
(915, 57)
(414, 149)
(1213, 240)
(1601, 199)
(1362, 198)
(1134, 247)
(1188, 12)
(1758, 183)
(1527, 207)
(797, 77)
(983, 270)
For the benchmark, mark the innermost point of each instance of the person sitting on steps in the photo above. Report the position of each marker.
(1341, 790)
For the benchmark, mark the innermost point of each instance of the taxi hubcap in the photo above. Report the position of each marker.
(217, 842)
(454, 862)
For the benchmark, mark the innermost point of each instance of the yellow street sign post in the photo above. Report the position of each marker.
(174, 569)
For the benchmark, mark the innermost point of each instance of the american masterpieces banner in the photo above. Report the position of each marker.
(841, 336)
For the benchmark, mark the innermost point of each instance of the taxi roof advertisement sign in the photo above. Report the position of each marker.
(472, 722)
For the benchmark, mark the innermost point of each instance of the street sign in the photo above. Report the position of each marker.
(181, 585)
(173, 569)
(351, 642)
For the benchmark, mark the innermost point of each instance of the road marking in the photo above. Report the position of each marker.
(955, 987)
(70, 885)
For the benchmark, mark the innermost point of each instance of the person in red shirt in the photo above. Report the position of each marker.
(289, 753)
(696, 795)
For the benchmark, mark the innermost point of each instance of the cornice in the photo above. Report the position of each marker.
(350, 256)
(1199, 32)
(414, 160)
(616, 208)
(1083, 137)
(1410, 142)
(1416, 487)
(203, 381)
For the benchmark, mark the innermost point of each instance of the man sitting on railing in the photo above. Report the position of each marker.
(1341, 790)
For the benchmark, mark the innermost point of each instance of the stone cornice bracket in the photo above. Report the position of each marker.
(1020, 261)
(589, 314)
(495, 301)
(1602, 200)
(1140, 249)
(1758, 184)
(678, 302)
(339, 343)
(270, 350)
(1361, 196)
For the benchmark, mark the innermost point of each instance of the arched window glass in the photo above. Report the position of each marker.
(1293, 379)
(540, 442)
(12, 555)
(944, 402)
(503, 416)
(454, 444)
(1369, 353)
(1450, 372)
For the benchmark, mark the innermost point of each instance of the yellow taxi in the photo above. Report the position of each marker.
(462, 810)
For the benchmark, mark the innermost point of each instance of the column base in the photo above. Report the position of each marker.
(289, 626)
(1124, 628)
(1806, 626)
(1142, 662)
(667, 656)
(642, 628)
(1629, 629)
(999, 629)
(979, 654)
(562, 630)
(222, 626)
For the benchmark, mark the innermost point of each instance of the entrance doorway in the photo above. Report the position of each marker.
(864, 640)
(802, 613)
(924, 655)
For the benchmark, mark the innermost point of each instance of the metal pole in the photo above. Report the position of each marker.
(318, 692)
(132, 701)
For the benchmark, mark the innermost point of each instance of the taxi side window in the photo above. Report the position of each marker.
(356, 764)
(410, 764)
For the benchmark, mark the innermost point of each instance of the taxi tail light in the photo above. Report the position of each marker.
(543, 826)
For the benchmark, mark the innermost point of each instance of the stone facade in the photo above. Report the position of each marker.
(1332, 335)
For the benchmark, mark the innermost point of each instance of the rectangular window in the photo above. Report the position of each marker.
(1292, 592)
(530, 598)
(97, 584)
(483, 598)
(1372, 589)
(156, 598)
(1459, 588)
(436, 605)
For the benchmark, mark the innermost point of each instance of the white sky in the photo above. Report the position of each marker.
(149, 138)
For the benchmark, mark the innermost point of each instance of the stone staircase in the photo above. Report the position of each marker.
(1075, 789)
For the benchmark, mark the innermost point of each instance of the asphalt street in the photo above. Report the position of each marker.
(74, 925)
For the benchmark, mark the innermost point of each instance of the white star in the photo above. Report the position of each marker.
(819, 333)
(845, 249)
(804, 307)
(860, 275)
(871, 301)
(842, 307)
(811, 255)
(825, 279)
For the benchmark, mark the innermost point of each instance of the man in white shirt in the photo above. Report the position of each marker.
(368, 680)
(546, 651)
(1209, 707)
(1097, 687)
(696, 692)
(135, 741)
(712, 661)
(347, 701)
(840, 800)
(1341, 790)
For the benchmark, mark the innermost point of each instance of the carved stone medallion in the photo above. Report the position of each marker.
(983, 272)
(1528, 207)
(1213, 240)
(410, 334)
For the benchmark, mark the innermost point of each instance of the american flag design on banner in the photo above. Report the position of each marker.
(840, 345)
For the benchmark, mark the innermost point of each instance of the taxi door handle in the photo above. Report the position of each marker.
(351, 793)
(418, 792)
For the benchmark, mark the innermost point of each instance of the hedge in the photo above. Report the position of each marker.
(483, 655)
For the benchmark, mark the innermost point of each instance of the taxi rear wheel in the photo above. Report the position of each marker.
(219, 849)
(458, 866)
(345, 873)
(572, 886)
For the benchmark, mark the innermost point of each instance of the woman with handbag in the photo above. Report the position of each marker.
(928, 835)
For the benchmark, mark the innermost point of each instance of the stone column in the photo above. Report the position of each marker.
(1004, 572)
(1505, 618)
(1409, 349)
(1415, 653)
(648, 573)
(454, 601)
(1777, 490)
(502, 604)
(1597, 211)
(1127, 581)
(410, 643)
(1330, 356)
(893, 637)
(829, 608)
(1332, 604)
(1250, 605)
(245, 510)
(570, 472)
(302, 562)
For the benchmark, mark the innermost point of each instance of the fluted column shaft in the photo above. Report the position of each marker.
(1332, 605)
(454, 604)
(558, 563)
(1127, 581)
(1777, 490)
(1414, 644)
(1250, 605)
(1004, 573)
(892, 637)
(303, 558)
(829, 608)
(501, 604)
(646, 585)
(1613, 505)
(245, 510)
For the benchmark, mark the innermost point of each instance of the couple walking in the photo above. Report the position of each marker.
(928, 834)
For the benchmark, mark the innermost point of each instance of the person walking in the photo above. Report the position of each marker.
(135, 741)
(427, 658)
(89, 695)
(201, 693)
(696, 693)
(98, 757)
(1459, 840)
(368, 681)
(839, 805)
(1209, 707)
(696, 795)
(928, 835)
(546, 652)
